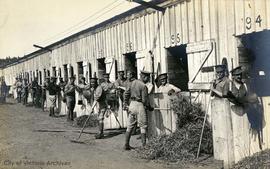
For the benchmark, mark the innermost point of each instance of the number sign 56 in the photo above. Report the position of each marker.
(257, 21)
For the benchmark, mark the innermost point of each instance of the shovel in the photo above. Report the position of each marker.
(77, 140)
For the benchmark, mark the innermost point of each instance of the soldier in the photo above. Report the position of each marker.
(53, 90)
(69, 94)
(100, 97)
(238, 88)
(34, 91)
(61, 85)
(165, 87)
(19, 90)
(4, 90)
(220, 86)
(25, 91)
(120, 81)
(137, 92)
(44, 89)
(221, 116)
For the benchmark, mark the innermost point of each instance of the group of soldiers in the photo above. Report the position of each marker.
(133, 93)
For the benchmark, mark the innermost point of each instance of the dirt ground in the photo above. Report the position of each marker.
(25, 145)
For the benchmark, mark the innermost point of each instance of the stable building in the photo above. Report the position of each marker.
(186, 36)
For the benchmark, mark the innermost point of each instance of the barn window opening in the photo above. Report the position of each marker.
(40, 77)
(54, 71)
(80, 68)
(178, 67)
(131, 62)
(65, 73)
(101, 69)
(253, 53)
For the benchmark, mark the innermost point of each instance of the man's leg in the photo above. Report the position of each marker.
(131, 124)
(100, 135)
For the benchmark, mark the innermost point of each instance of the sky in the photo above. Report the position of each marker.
(42, 22)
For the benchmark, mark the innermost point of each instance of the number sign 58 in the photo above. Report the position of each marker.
(258, 21)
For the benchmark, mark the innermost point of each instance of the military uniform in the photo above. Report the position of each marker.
(34, 87)
(137, 92)
(19, 90)
(100, 96)
(25, 91)
(70, 98)
(221, 117)
(53, 90)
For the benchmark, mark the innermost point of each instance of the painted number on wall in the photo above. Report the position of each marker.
(129, 46)
(249, 21)
(175, 38)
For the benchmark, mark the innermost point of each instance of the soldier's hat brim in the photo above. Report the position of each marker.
(106, 75)
(237, 71)
(220, 68)
(163, 76)
(145, 72)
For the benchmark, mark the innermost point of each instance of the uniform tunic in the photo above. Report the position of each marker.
(168, 87)
(138, 94)
(70, 96)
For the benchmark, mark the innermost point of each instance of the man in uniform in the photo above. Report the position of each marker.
(19, 90)
(53, 89)
(165, 87)
(137, 93)
(25, 91)
(221, 116)
(61, 85)
(100, 96)
(44, 89)
(70, 97)
(34, 91)
(120, 84)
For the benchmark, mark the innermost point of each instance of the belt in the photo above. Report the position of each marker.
(135, 99)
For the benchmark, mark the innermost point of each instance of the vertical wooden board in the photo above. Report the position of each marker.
(231, 40)
(240, 131)
(178, 25)
(143, 29)
(172, 25)
(249, 16)
(151, 31)
(184, 21)
(167, 34)
(139, 33)
(239, 17)
(266, 124)
(222, 27)
(213, 19)
(260, 15)
(161, 34)
(198, 20)
(191, 21)
(191, 69)
(134, 35)
(112, 42)
(205, 20)
(147, 32)
(106, 50)
(126, 30)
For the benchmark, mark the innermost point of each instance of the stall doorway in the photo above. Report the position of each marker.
(65, 73)
(253, 51)
(80, 68)
(178, 67)
(101, 69)
(131, 62)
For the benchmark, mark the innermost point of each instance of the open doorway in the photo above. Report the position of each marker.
(101, 69)
(54, 71)
(131, 62)
(40, 77)
(80, 68)
(253, 50)
(65, 73)
(178, 67)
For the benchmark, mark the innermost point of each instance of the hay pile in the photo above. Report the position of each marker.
(92, 122)
(257, 161)
(181, 145)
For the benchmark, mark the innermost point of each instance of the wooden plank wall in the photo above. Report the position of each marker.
(187, 22)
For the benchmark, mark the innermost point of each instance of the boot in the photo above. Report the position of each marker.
(50, 112)
(127, 139)
(53, 115)
(100, 134)
(143, 137)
